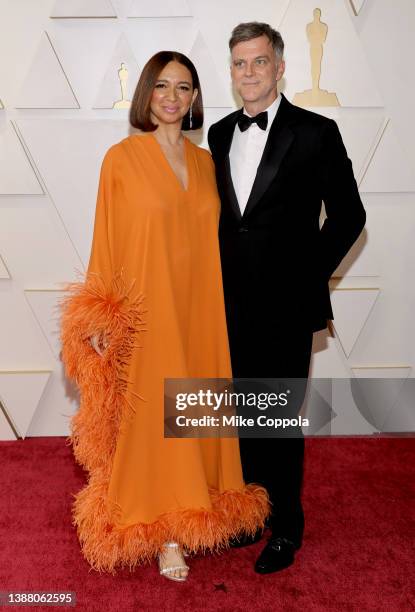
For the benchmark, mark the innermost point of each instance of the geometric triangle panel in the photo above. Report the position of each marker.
(214, 93)
(361, 130)
(389, 169)
(380, 388)
(362, 260)
(327, 358)
(215, 20)
(357, 5)
(17, 176)
(6, 429)
(317, 407)
(352, 415)
(161, 8)
(82, 8)
(20, 393)
(45, 307)
(59, 402)
(344, 71)
(69, 153)
(23, 347)
(4, 273)
(46, 84)
(148, 36)
(48, 257)
(120, 79)
(351, 309)
(402, 417)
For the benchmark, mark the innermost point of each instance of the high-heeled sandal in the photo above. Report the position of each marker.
(165, 571)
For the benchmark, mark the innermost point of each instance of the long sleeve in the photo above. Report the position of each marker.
(102, 303)
(344, 209)
(101, 260)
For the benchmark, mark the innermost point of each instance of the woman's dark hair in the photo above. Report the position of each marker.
(140, 105)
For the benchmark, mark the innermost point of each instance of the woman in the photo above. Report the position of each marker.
(152, 308)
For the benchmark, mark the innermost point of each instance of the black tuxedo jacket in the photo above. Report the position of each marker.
(276, 261)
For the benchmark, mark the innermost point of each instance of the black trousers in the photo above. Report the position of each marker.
(275, 463)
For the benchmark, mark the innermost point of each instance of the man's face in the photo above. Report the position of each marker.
(255, 72)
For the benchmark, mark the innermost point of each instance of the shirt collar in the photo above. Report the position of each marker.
(272, 111)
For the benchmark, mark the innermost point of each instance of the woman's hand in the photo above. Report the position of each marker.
(99, 342)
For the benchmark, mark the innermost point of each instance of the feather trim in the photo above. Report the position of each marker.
(88, 308)
(108, 548)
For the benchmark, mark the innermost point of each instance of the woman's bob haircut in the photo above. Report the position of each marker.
(140, 105)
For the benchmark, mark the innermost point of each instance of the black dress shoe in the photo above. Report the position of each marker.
(277, 555)
(246, 540)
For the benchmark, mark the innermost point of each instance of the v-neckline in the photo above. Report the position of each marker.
(186, 161)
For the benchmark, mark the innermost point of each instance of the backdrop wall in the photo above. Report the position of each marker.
(59, 63)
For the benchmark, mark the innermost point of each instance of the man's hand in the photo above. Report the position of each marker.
(99, 343)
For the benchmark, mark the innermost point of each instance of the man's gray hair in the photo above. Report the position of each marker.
(254, 29)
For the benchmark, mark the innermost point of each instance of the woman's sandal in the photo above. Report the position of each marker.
(165, 571)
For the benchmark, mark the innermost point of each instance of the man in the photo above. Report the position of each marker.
(275, 163)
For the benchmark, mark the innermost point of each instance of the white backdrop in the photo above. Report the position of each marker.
(58, 79)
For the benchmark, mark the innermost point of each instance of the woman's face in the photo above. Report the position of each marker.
(172, 95)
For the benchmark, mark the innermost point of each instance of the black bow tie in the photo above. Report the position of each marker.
(244, 121)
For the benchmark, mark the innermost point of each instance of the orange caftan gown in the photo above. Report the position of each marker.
(154, 288)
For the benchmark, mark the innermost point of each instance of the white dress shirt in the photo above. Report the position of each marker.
(246, 152)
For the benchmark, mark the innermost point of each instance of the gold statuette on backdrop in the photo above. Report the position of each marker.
(316, 34)
(123, 77)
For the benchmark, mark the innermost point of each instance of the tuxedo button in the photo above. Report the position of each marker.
(243, 229)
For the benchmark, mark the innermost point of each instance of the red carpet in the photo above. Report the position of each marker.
(358, 552)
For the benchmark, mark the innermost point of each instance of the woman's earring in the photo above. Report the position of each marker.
(191, 117)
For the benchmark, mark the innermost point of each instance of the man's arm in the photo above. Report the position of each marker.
(346, 216)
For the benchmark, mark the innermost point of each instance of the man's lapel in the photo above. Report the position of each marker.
(223, 168)
(279, 141)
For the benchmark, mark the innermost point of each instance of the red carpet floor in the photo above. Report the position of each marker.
(358, 552)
